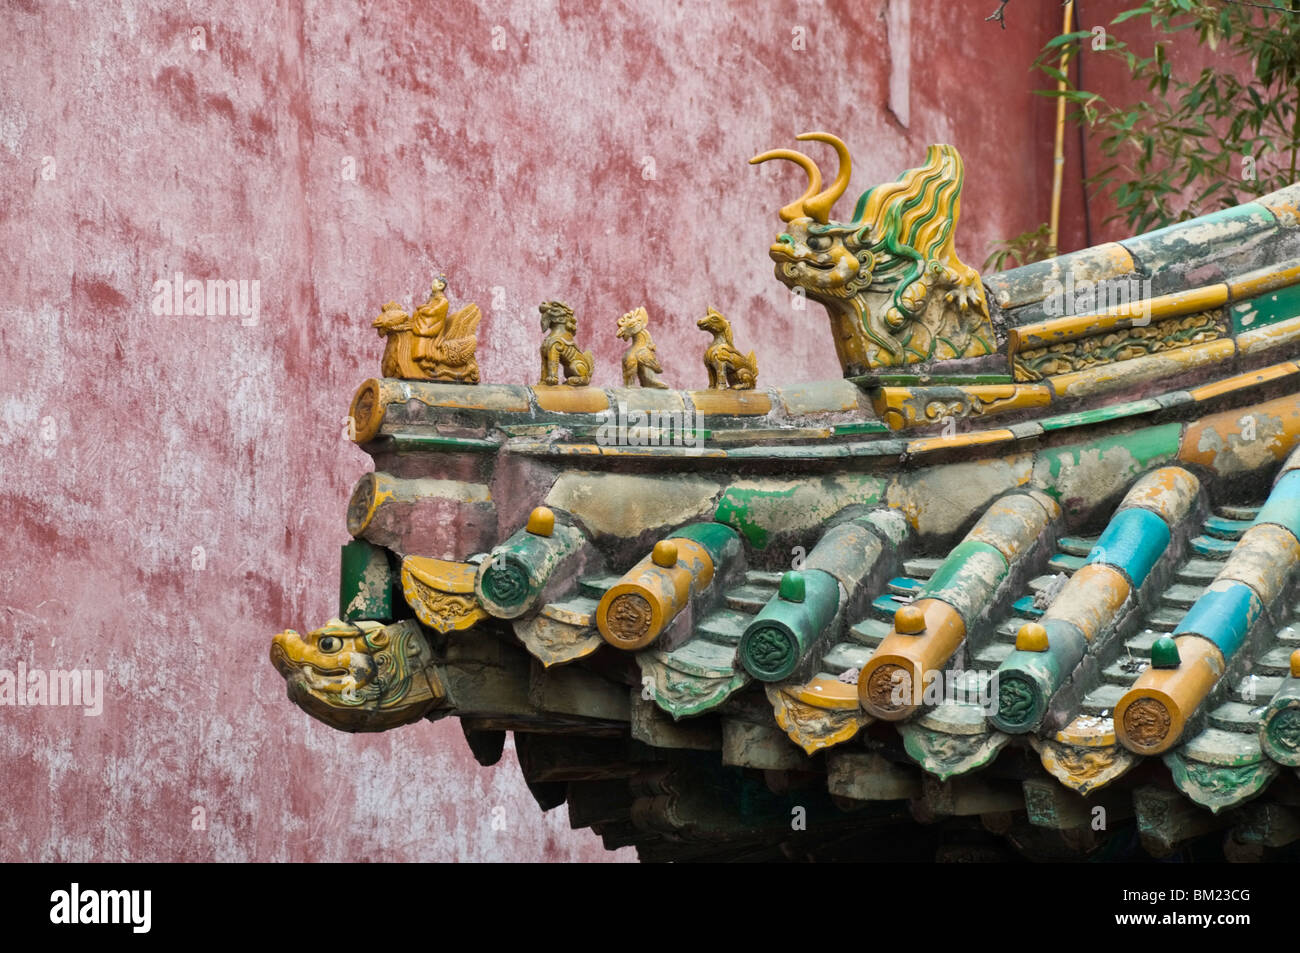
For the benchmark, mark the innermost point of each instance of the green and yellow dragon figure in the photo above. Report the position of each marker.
(890, 277)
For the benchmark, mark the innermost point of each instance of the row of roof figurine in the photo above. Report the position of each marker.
(431, 345)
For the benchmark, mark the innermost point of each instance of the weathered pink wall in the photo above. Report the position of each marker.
(130, 439)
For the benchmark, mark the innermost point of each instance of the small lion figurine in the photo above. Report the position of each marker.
(560, 350)
(727, 367)
(639, 362)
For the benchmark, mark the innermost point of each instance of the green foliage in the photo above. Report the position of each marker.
(1193, 144)
(1025, 248)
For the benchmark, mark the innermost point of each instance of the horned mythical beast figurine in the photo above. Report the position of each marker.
(640, 365)
(896, 291)
(726, 365)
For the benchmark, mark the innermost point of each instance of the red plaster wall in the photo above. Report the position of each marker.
(129, 439)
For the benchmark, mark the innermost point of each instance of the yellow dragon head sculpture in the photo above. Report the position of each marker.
(359, 676)
(890, 278)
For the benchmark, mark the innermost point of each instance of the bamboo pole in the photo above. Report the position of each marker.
(1058, 161)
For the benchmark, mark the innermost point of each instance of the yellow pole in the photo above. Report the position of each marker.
(1058, 161)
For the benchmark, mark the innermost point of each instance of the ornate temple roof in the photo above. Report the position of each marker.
(1038, 553)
